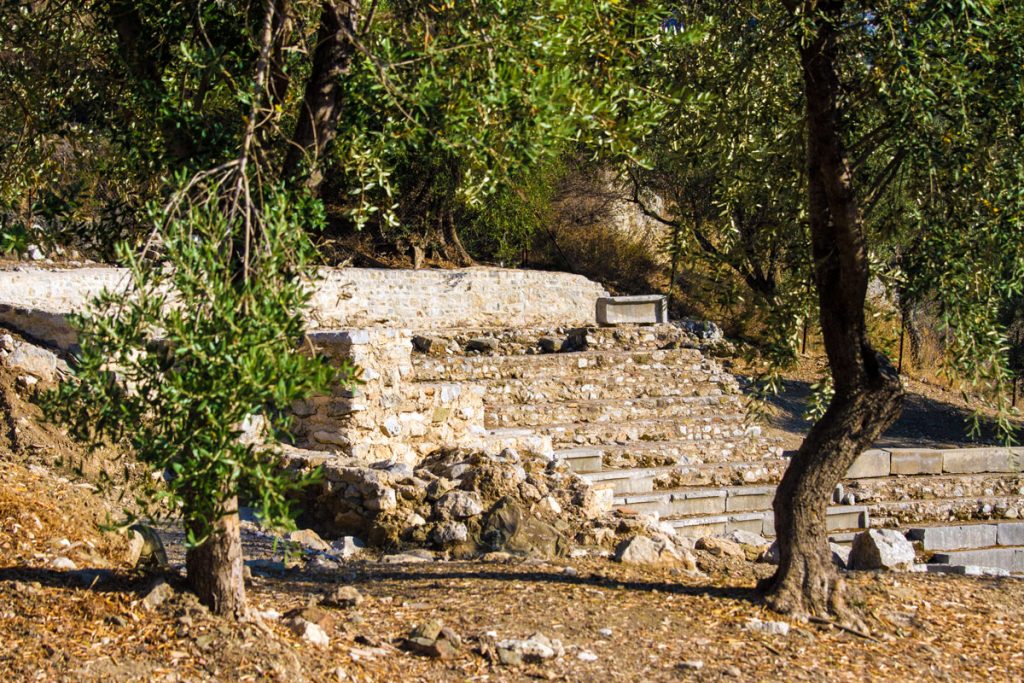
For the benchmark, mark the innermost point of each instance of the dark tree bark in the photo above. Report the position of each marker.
(144, 63)
(215, 567)
(868, 393)
(321, 105)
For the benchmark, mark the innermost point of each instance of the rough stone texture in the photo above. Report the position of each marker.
(1010, 533)
(973, 460)
(36, 301)
(881, 549)
(387, 416)
(1010, 559)
(911, 461)
(872, 463)
(954, 537)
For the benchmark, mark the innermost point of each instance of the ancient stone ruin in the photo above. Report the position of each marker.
(508, 410)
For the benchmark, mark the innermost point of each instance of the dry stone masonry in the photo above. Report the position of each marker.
(495, 406)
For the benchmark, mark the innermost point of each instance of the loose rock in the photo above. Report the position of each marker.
(881, 549)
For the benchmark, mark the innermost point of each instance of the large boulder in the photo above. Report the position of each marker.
(881, 549)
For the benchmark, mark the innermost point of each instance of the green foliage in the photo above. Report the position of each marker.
(453, 105)
(205, 338)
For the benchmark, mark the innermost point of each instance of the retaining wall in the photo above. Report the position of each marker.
(35, 301)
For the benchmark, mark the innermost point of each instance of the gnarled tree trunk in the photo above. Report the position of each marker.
(321, 106)
(868, 393)
(215, 568)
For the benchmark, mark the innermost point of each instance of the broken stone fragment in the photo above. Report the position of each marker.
(881, 549)
(720, 547)
(348, 546)
(431, 346)
(309, 539)
(448, 533)
(308, 631)
(532, 650)
(460, 504)
(343, 597)
(159, 592)
(482, 345)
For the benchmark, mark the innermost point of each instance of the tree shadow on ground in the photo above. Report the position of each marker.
(369, 574)
(88, 578)
(924, 421)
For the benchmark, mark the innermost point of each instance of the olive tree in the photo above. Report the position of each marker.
(205, 338)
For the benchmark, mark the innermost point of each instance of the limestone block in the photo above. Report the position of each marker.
(1011, 559)
(699, 502)
(619, 310)
(881, 549)
(750, 498)
(912, 461)
(870, 464)
(954, 537)
(1010, 533)
(977, 460)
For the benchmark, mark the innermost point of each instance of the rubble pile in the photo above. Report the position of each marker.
(471, 503)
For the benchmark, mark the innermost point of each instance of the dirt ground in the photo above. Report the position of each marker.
(615, 622)
(72, 610)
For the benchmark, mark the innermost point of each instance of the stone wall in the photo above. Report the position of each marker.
(34, 301)
(386, 416)
(469, 297)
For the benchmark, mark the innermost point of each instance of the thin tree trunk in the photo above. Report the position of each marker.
(215, 567)
(453, 245)
(868, 393)
(321, 105)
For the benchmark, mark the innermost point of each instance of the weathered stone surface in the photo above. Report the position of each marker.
(308, 631)
(912, 461)
(747, 538)
(720, 547)
(460, 504)
(954, 537)
(532, 650)
(976, 460)
(432, 346)
(1010, 559)
(34, 360)
(309, 539)
(448, 533)
(775, 628)
(348, 546)
(619, 310)
(482, 345)
(1010, 533)
(869, 464)
(343, 597)
(840, 554)
(158, 593)
(881, 549)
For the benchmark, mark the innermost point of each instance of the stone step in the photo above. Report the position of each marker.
(627, 481)
(642, 383)
(582, 460)
(522, 440)
(906, 513)
(525, 340)
(712, 428)
(749, 448)
(968, 536)
(700, 500)
(928, 486)
(841, 519)
(681, 363)
(1009, 558)
(611, 410)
